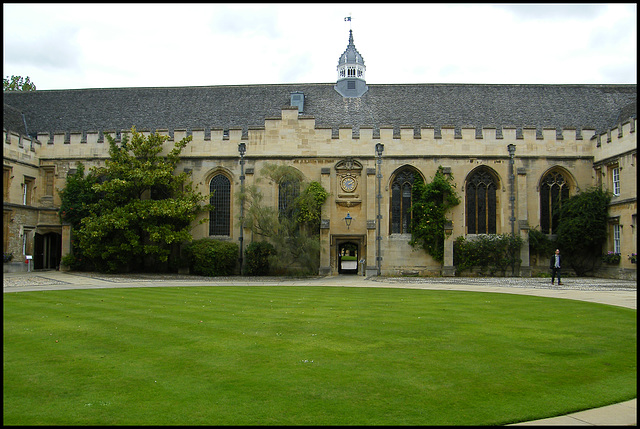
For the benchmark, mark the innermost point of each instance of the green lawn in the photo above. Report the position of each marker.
(308, 356)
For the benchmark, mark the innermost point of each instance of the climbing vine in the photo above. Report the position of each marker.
(430, 203)
(309, 205)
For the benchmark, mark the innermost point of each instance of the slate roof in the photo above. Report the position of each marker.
(12, 120)
(599, 107)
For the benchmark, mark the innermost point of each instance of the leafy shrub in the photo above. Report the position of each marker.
(488, 252)
(256, 258)
(540, 244)
(76, 262)
(583, 229)
(68, 260)
(309, 205)
(611, 258)
(209, 257)
(7, 257)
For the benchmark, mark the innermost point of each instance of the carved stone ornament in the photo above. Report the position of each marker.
(350, 165)
(348, 171)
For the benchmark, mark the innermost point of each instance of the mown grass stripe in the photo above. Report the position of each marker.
(309, 355)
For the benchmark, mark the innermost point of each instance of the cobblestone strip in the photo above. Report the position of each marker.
(574, 283)
(20, 281)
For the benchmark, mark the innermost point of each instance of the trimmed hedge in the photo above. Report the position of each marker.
(487, 252)
(209, 257)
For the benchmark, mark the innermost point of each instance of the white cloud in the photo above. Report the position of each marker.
(109, 45)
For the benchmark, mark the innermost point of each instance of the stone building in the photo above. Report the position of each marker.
(350, 136)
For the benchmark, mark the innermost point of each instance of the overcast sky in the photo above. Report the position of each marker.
(63, 46)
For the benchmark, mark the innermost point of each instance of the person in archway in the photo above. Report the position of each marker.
(555, 264)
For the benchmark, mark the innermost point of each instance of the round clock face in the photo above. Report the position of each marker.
(348, 184)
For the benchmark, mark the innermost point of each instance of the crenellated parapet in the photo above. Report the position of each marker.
(615, 141)
(299, 135)
(20, 147)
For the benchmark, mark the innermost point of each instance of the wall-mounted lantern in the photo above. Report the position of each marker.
(348, 220)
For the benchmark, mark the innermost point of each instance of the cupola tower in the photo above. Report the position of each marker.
(351, 82)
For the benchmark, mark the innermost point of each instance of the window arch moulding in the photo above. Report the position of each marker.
(220, 190)
(482, 188)
(555, 186)
(400, 187)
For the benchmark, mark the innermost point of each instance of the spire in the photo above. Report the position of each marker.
(351, 57)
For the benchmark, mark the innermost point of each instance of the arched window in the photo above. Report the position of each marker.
(553, 190)
(288, 191)
(481, 202)
(220, 216)
(401, 188)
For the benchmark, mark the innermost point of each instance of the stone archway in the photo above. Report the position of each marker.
(348, 257)
(347, 252)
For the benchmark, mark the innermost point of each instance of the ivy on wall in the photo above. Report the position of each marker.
(430, 203)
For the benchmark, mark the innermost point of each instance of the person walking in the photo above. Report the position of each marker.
(555, 264)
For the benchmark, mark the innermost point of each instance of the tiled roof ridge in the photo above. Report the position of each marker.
(599, 106)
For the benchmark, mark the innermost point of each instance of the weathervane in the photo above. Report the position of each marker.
(348, 18)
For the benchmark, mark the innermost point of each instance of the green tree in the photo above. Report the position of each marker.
(17, 83)
(430, 203)
(77, 198)
(293, 232)
(582, 229)
(144, 210)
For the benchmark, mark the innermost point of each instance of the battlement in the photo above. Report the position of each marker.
(615, 141)
(299, 135)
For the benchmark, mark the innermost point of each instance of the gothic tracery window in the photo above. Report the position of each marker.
(401, 190)
(220, 216)
(481, 197)
(288, 191)
(553, 190)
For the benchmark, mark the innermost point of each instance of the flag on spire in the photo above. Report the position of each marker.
(347, 18)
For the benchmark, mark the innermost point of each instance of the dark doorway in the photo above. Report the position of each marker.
(348, 258)
(47, 249)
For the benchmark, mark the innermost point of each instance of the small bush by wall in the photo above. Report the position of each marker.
(256, 258)
(488, 253)
(541, 244)
(209, 257)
